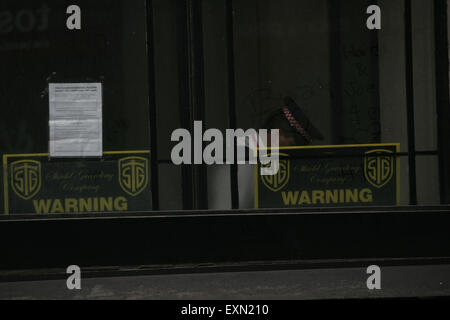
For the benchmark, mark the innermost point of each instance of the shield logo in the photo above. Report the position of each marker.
(379, 167)
(278, 181)
(26, 178)
(133, 175)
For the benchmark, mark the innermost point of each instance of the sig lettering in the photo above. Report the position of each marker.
(26, 178)
(379, 167)
(279, 179)
(133, 175)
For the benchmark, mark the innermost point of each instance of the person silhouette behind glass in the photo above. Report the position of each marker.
(295, 130)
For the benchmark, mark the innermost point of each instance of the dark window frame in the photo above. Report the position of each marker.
(162, 239)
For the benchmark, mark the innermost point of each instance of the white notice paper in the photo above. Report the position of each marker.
(76, 125)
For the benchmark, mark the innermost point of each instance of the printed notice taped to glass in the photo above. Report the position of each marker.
(76, 120)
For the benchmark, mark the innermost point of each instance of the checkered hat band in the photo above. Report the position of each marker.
(294, 123)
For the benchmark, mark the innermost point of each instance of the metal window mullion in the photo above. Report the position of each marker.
(192, 96)
(152, 108)
(410, 103)
(184, 100)
(442, 96)
(232, 120)
(335, 41)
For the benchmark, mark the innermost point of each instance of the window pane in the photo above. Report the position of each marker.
(37, 48)
(347, 85)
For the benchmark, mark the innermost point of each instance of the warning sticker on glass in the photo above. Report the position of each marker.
(76, 120)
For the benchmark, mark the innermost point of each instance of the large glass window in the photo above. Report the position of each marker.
(361, 93)
(357, 109)
(37, 49)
